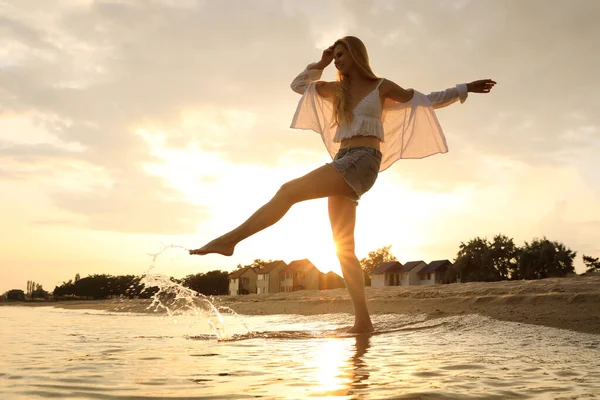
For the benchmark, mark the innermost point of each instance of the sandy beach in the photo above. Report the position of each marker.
(568, 303)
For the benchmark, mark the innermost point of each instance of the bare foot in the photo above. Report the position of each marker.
(361, 328)
(218, 246)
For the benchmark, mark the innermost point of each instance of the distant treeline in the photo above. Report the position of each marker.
(477, 260)
(130, 286)
(481, 260)
(102, 286)
(501, 259)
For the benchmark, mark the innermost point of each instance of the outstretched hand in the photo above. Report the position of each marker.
(481, 86)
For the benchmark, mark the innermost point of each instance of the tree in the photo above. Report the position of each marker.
(34, 290)
(374, 259)
(15, 294)
(258, 263)
(482, 260)
(473, 262)
(96, 286)
(211, 283)
(543, 258)
(592, 264)
(105, 286)
(505, 256)
(39, 292)
(66, 289)
(31, 287)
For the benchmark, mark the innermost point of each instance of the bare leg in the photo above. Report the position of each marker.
(342, 214)
(324, 181)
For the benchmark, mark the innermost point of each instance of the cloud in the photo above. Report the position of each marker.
(9, 175)
(98, 71)
(529, 48)
(142, 205)
(29, 152)
(23, 34)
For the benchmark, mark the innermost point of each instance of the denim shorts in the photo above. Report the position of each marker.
(360, 167)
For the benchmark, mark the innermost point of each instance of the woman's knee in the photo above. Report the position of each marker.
(288, 192)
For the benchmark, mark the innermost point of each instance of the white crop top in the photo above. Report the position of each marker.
(410, 129)
(366, 119)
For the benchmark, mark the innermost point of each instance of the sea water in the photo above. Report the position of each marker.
(48, 352)
(185, 346)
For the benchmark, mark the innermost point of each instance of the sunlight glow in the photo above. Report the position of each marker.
(329, 362)
(121, 131)
(204, 178)
(324, 257)
(184, 169)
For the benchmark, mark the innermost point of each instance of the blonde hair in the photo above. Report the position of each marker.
(357, 50)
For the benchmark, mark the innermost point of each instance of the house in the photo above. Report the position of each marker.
(386, 274)
(299, 275)
(242, 281)
(434, 272)
(409, 273)
(331, 280)
(267, 280)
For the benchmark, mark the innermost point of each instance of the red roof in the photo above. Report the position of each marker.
(239, 272)
(299, 265)
(410, 265)
(435, 265)
(386, 267)
(271, 266)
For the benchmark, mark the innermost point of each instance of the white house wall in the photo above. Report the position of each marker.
(274, 279)
(413, 277)
(430, 281)
(233, 287)
(378, 280)
(262, 286)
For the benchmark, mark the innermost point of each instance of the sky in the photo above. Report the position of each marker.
(127, 126)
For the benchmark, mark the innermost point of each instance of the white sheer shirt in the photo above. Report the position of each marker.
(411, 129)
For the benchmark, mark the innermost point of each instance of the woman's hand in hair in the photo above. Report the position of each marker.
(326, 58)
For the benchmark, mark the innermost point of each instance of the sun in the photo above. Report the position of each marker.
(324, 257)
(305, 233)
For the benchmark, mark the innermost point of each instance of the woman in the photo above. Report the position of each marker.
(366, 123)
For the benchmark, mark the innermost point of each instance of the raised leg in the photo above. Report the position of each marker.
(342, 215)
(324, 181)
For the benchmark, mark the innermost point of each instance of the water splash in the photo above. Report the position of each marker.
(175, 299)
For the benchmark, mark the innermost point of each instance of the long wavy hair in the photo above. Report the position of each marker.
(357, 50)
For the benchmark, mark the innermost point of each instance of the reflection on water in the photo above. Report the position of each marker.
(57, 353)
(360, 372)
(334, 373)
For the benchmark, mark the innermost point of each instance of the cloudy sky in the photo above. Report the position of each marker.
(126, 125)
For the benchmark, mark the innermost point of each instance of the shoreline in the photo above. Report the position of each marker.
(568, 303)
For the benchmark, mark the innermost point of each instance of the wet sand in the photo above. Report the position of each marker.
(568, 303)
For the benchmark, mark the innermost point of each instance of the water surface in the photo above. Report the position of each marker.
(79, 354)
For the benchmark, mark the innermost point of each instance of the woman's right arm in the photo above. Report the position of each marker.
(305, 78)
(313, 73)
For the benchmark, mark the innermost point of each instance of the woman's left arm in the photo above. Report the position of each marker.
(390, 90)
(459, 92)
(438, 99)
